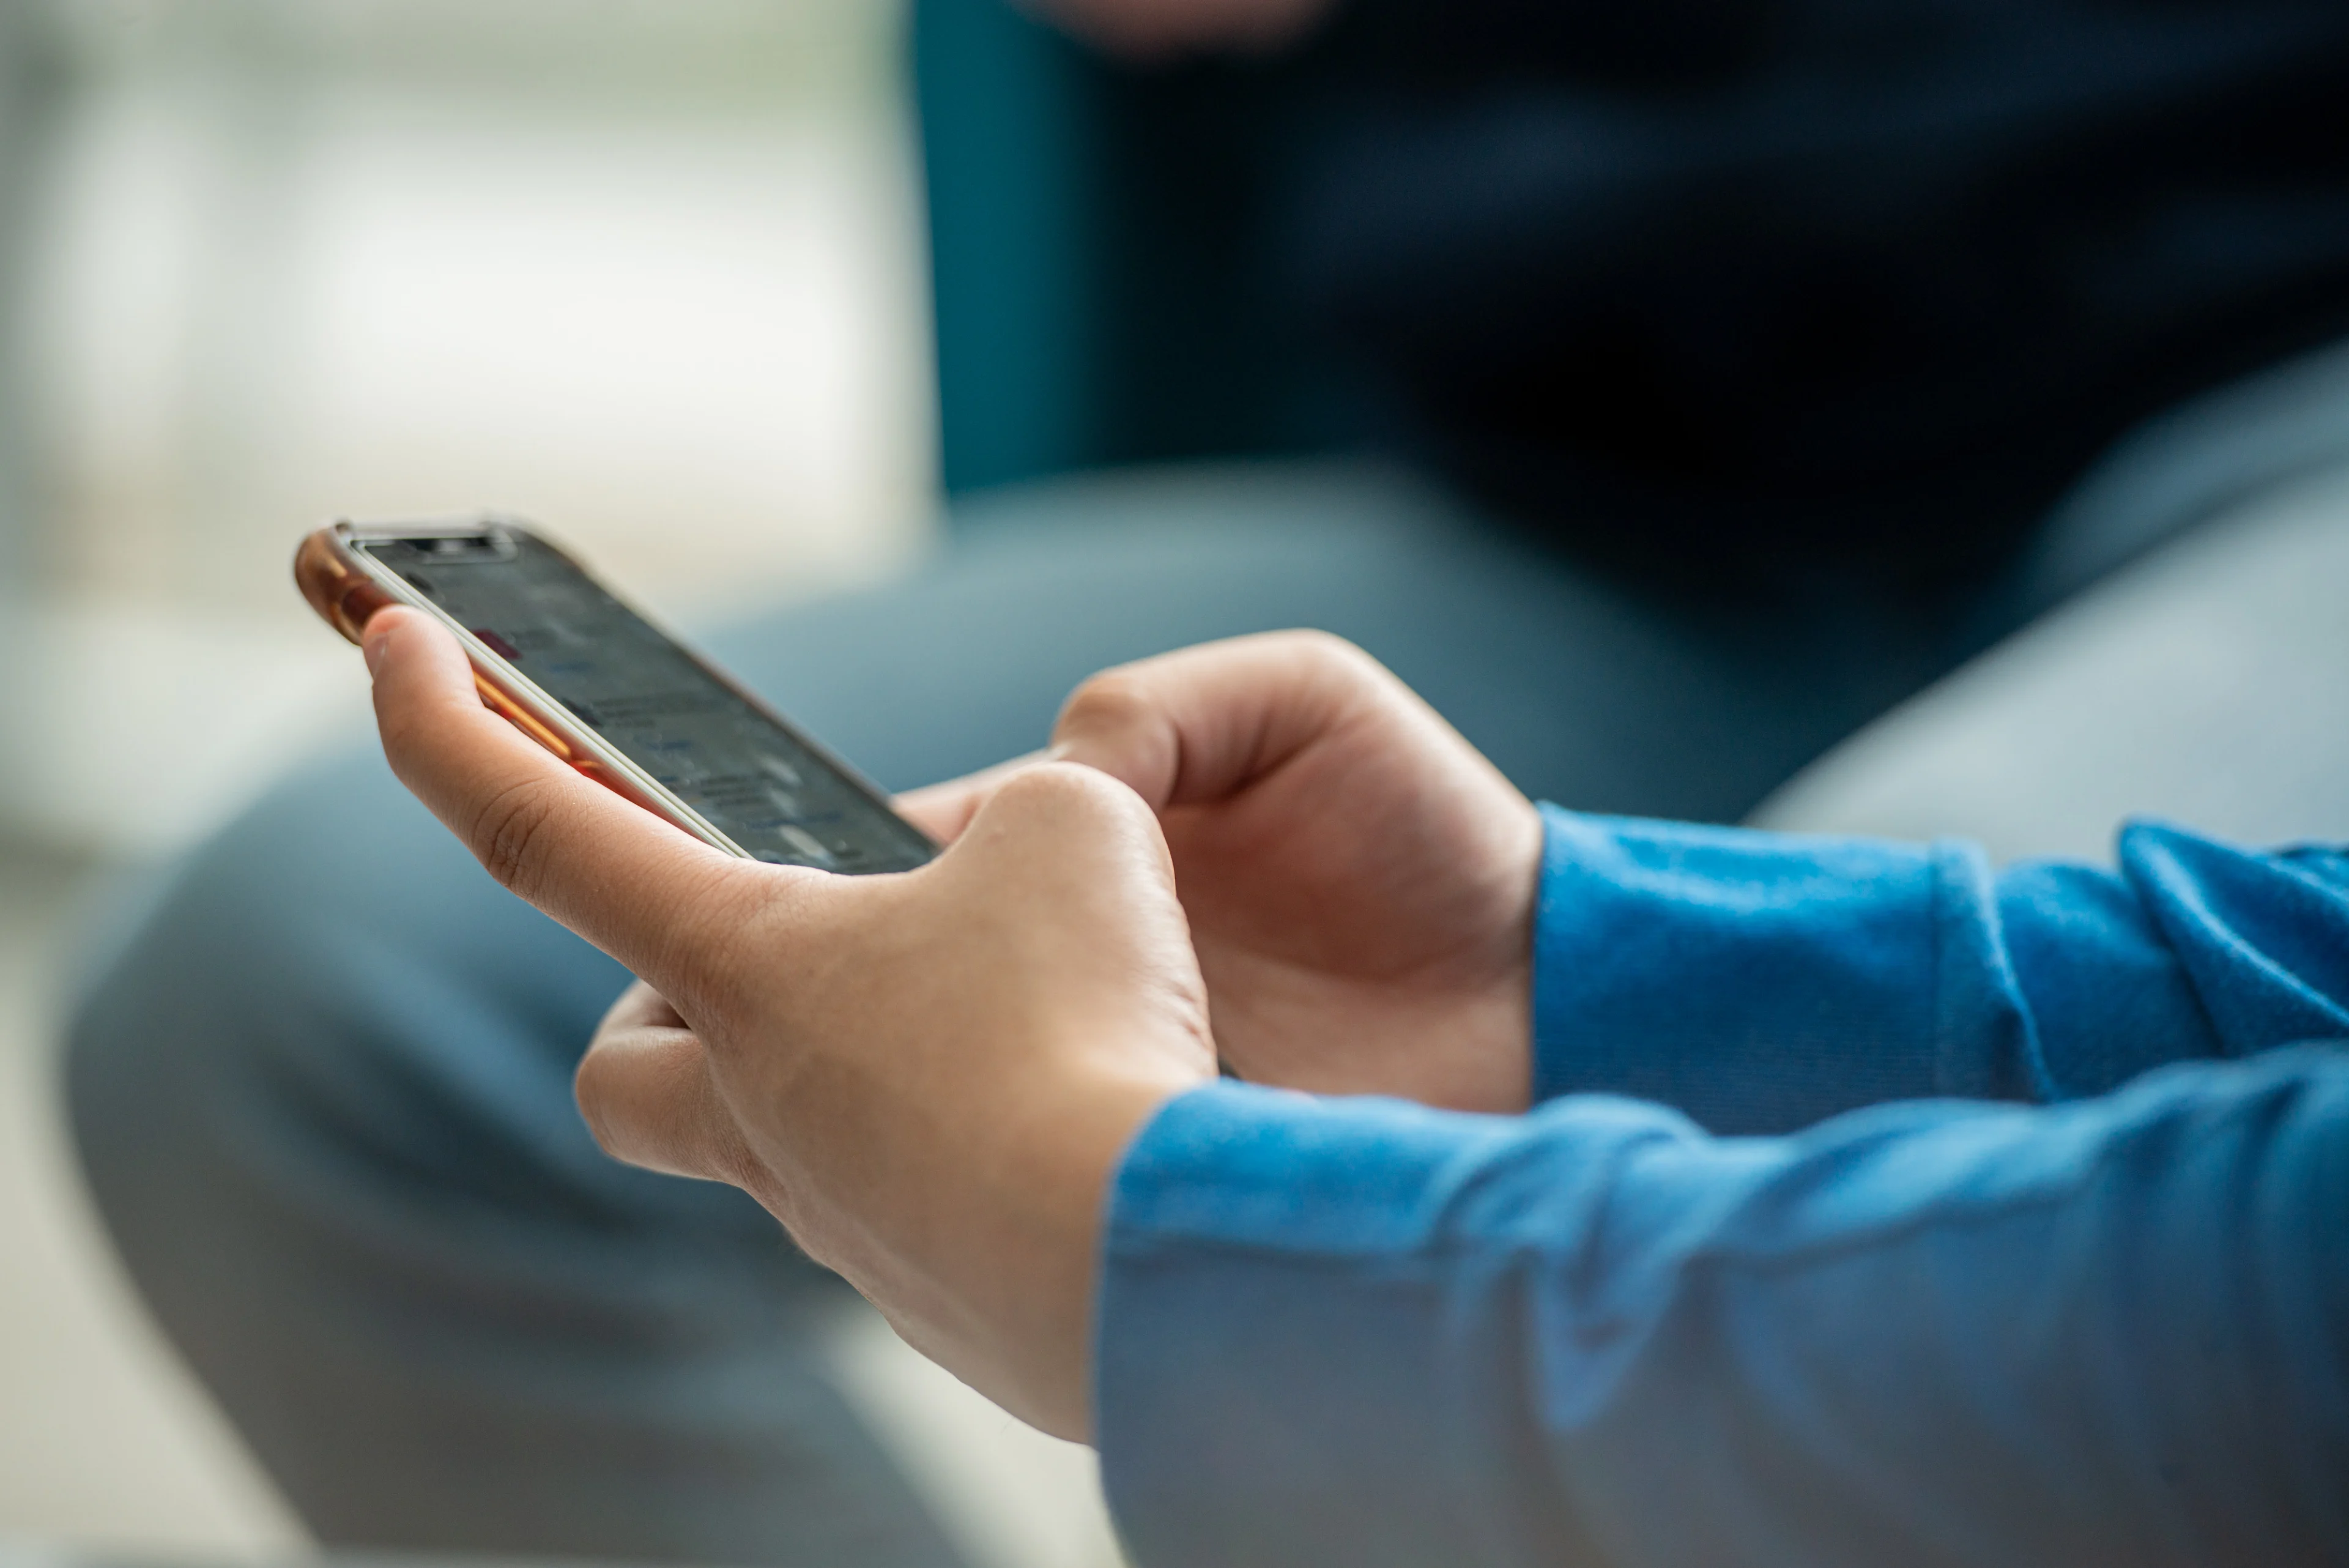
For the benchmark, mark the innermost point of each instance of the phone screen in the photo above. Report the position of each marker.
(755, 780)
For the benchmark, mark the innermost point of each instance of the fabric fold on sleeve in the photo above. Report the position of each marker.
(1363, 1333)
(1763, 981)
(1229, 1369)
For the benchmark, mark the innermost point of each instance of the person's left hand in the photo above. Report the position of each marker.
(1360, 881)
(929, 1078)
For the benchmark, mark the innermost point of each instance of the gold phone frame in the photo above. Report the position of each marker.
(347, 587)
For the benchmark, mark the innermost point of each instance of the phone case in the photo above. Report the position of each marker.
(346, 589)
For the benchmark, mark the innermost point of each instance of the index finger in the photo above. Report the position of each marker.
(629, 882)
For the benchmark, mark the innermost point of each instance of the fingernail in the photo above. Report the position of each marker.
(372, 650)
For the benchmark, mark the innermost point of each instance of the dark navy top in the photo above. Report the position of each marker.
(1847, 278)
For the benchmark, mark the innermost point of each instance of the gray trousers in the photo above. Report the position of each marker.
(320, 1076)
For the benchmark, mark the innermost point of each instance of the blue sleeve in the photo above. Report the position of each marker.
(1932, 1333)
(1938, 1335)
(1762, 981)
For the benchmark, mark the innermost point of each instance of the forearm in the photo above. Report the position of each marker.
(1761, 983)
(1357, 1331)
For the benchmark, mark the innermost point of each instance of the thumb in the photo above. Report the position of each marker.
(659, 901)
(1203, 723)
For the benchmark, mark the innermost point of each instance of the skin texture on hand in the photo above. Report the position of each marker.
(1360, 881)
(1268, 846)
(927, 1078)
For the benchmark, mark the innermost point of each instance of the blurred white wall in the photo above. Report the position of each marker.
(647, 270)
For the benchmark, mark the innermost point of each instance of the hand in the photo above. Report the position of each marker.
(1155, 29)
(1359, 880)
(927, 1078)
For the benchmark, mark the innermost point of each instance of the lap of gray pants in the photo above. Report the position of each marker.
(321, 1083)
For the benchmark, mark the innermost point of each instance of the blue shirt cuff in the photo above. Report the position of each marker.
(1761, 983)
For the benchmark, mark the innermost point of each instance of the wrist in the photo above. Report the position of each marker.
(1036, 1273)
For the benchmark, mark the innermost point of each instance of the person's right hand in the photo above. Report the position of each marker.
(928, 1077)
(1358, 879)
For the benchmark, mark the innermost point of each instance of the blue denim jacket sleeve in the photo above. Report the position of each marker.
(1931, 1332)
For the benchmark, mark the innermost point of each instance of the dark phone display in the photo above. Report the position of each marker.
(751, 778)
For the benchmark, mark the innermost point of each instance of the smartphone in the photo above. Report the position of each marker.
(604, 689)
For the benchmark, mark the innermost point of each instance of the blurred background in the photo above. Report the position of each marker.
(652, 271)
(623, 267)
(685, 280)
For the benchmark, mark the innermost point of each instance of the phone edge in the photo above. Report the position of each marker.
(347, 587)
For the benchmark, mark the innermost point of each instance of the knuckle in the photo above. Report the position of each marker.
(1328, 652)
(508, 835)
(719, 939)
(1059, 782)
(1319, 641)
(1065, 790)
(1113, 699)
(703, 946)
